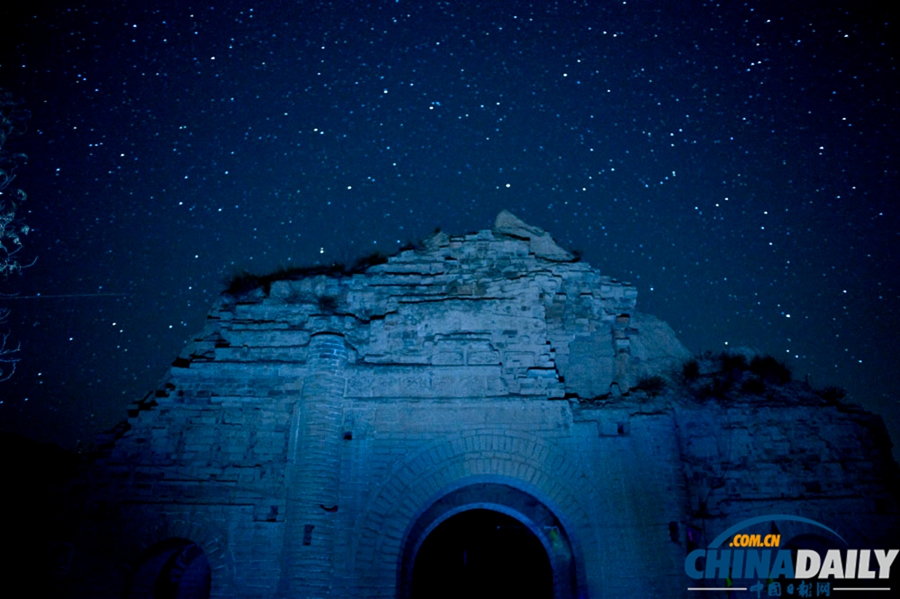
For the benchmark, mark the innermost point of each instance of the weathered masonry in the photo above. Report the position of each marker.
(471, 412)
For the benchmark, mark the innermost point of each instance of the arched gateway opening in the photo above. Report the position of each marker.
(482, 554)
(172, 569)
(487, 540)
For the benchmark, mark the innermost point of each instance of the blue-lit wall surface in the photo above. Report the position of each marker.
(324, 425)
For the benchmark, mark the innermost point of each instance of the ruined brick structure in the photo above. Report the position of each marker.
(321, 429)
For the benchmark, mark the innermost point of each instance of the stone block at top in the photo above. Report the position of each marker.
(541, 243)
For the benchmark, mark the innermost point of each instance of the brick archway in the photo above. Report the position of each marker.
(502, 499)
(157, 529)
(524, 464)
(172, 568)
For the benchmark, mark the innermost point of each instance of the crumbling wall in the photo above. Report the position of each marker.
(789, 452)
(304, 438)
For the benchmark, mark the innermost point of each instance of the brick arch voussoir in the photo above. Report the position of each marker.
(205, 533)
(529, 463)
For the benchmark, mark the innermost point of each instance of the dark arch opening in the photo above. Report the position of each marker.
(171, 569)
(482, 553)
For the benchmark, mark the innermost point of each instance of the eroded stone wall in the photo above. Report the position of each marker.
(307, 437)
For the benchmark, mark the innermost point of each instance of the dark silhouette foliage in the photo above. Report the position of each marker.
(651, 385)
(364, 263)
(717, 376)
(832, 394)
(753, 386)
(733, 366)
(13, 119)
(245, 282)
(716, 388)
(12, 228)
(415, 246)
(770, 370)
(690, 370)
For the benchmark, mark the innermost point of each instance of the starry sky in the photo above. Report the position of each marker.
(734, 161)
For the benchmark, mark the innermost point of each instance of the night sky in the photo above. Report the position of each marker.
(737, 162)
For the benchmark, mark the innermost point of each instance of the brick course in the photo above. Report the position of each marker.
(306, 436)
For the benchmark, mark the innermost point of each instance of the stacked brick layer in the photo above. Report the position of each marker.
(307, 436)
